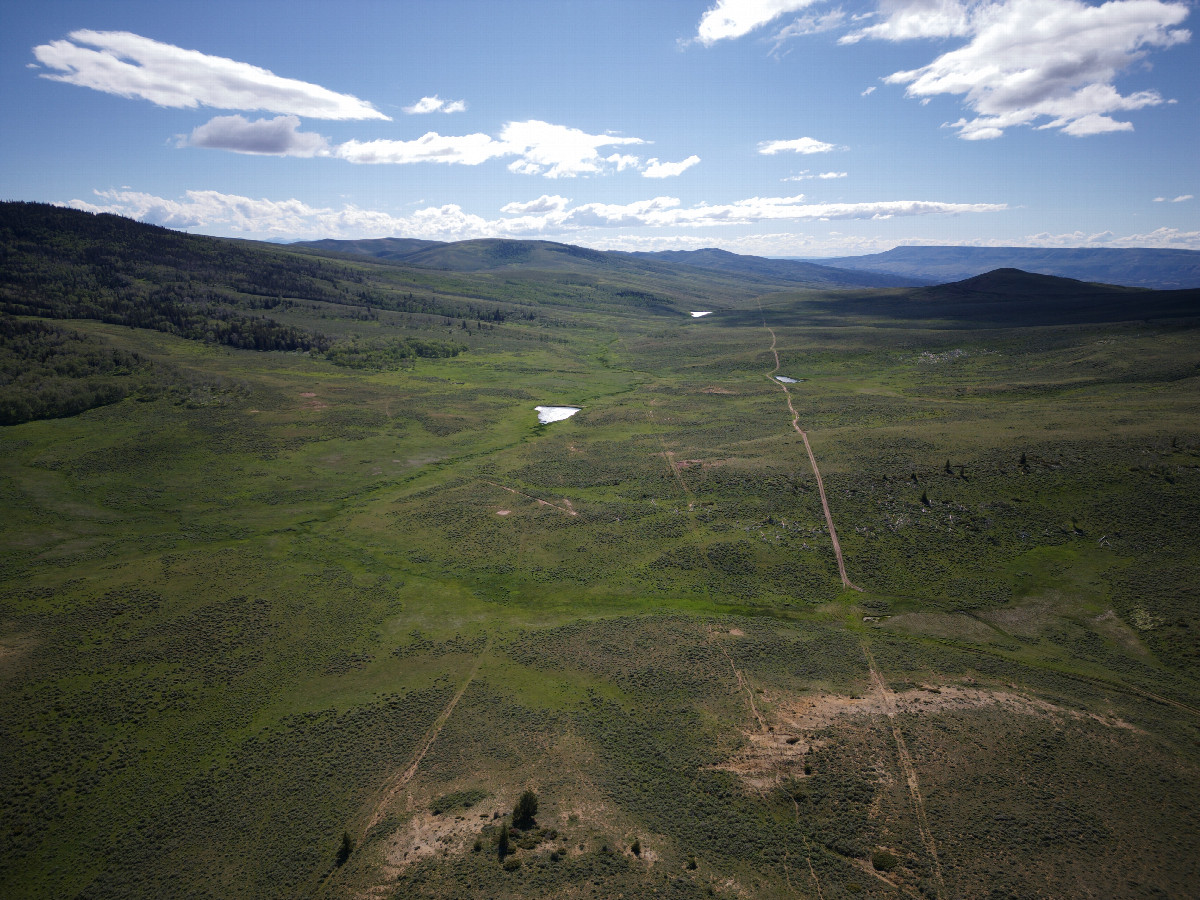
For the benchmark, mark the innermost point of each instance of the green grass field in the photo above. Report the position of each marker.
(280, 600)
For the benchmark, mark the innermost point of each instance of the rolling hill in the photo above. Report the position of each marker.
(867, 593)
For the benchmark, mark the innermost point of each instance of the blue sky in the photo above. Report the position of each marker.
(777, 127)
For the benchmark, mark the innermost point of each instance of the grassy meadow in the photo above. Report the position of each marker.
(278, 603)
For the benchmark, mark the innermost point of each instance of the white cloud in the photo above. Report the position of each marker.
(217, 213)
(622, 161)
(118, 62)
(557, 151)
(1159, 238)
(435, 104)
(734, 18)
(1160, 199)
(667, 212)
(804, 145)
(1030, 60)
(1182, 197)
(467, 150)
(656, 169)
(806, 25)
(272, 137)
(916, 19)
(805, 176)
(540, 148)
(869, 91)
(543, 204)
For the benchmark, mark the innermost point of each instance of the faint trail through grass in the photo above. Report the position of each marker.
(563, 509)
(743, 684)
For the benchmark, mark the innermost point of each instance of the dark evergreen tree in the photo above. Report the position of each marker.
(525, 810)
(345, 850)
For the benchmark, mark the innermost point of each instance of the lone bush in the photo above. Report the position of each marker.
(883, 861)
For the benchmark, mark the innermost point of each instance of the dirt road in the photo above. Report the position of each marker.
(812, 459)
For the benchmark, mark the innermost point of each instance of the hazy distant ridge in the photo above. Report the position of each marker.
(493, 253)
(1133, 267)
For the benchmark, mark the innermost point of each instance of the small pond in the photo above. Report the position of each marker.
(786, 380)
(547, 414)
(696, 315)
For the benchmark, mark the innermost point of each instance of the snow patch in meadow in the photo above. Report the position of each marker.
(548, 414)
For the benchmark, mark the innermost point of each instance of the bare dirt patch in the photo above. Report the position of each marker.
(504, 512)
(772, 756)
(426, 835)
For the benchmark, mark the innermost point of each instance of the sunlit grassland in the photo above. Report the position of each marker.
(230, 617)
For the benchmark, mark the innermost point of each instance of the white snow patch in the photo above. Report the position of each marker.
(547, 414)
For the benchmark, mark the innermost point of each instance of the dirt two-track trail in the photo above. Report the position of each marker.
(910, 772)
(812, 459)
(398, 782)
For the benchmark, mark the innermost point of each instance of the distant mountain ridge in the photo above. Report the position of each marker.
(1129, 267)
(1014, 298)
(781, 269)
(494, 253)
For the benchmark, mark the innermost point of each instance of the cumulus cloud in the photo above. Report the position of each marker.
(543, 204)
(1049, 64)
(1031, 60)
(217, 213)
(869, 91)
(128, 65)
(280, 136)
(804, 145)
(558, 151)
(656, 169)
(467, 150)
(435, 104)
(908, 19)
(735, 18)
